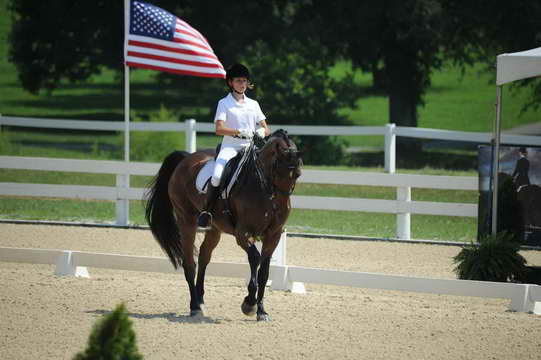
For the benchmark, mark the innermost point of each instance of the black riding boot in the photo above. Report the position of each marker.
(205, 217)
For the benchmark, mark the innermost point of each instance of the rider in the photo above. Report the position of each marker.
(237, 119)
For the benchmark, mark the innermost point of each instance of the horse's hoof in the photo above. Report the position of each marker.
(247, 309)
(201, 312)
(263, 317)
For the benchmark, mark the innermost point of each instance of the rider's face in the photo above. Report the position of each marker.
(239, 84)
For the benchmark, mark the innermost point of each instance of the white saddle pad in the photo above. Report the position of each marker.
(203, 177)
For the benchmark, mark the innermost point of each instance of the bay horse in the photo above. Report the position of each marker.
(257, 207)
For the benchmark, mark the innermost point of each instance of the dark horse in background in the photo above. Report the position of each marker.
(257, 207)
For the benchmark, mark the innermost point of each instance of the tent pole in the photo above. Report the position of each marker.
(496, 159)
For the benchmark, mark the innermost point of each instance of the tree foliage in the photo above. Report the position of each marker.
(112, 338)
(295, 89)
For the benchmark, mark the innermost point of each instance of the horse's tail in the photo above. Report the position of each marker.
(159, 209)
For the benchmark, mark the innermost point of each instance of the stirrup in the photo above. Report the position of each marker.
(204, 220)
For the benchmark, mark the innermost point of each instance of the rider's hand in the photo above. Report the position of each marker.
(245, 134)
(260, 132)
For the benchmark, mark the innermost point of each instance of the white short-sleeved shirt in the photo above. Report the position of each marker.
(236, 115)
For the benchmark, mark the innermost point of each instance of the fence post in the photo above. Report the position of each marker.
(190, 135)
(279, 274)
(403, 220)
(122, 205)
(390, 149)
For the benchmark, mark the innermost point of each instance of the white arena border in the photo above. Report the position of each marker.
(523, 297)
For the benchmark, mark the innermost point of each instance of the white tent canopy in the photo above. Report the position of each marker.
(519, 65)
(509, 68)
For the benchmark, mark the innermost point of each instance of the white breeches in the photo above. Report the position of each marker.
(226, 154)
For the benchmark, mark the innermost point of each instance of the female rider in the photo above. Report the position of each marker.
(237, 119)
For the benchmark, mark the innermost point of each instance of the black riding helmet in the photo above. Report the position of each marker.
(237, 70)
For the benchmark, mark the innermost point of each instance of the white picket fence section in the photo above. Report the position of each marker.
(122, 193)
(190, 127)
(523, 297)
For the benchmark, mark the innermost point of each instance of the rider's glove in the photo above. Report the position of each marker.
(245, 134)
(260, 132)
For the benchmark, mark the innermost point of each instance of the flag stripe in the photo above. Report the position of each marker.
(186, 41)
(174, 71)
(170, 59)
(169, 48)
(174, 55)
(158, 40)
(172, 46)
(172, 65)
(197, 34)
(188, 36)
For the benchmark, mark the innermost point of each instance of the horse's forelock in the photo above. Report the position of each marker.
(282, 134)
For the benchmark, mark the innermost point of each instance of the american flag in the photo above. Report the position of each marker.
(159, 40)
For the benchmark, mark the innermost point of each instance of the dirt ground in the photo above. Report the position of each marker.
(43, 316)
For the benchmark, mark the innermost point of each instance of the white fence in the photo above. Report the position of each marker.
(523, 297)
(191, 127)
(403, 206)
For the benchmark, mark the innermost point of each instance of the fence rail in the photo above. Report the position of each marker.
(190, 127)
(523, 297)
(122, 193)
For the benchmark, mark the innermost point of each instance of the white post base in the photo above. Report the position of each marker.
(66, 267)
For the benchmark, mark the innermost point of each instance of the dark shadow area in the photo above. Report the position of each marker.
(84, 147)
(420, 153)
(172, 317)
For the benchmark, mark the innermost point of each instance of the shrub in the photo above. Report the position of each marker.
(495, 258)
(112, 338)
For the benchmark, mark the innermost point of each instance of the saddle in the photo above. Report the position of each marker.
(229, 176)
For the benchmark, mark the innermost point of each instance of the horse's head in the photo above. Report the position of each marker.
(282, 161)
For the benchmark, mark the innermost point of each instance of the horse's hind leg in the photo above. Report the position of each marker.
(188, 264)
(212, 237)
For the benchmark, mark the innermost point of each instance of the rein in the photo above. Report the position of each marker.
(270, 187)
(267, 184)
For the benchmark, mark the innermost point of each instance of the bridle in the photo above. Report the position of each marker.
(270, 187)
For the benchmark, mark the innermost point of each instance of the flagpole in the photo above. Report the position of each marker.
(126, 84)
(123, 206)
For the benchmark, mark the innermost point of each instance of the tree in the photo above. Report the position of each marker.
(398, 41)
(293, 87)
(112, 338)
(64, 39)
(504, 27)
(402, 42)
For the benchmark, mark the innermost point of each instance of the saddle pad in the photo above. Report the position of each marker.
(203, 177)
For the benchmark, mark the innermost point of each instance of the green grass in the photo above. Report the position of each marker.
(307, 221)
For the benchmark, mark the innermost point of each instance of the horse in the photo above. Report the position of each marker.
(256, 208)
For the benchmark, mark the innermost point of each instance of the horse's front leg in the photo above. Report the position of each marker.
(249, 305)
(269, 244)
